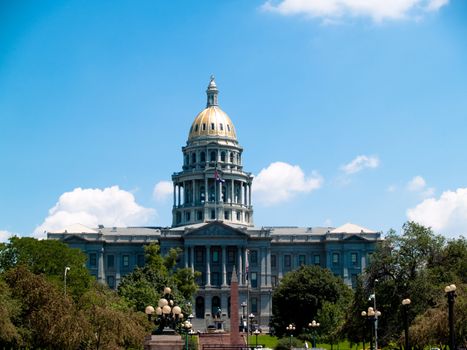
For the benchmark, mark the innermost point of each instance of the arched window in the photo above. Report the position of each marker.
(222, 156)
(193, 158)
(199, 308)
(216, 306)
(213, 156)
(231, 157)
(203, 157)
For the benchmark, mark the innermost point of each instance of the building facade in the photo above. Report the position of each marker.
(212, 222)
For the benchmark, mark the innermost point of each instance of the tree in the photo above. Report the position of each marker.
(144, 285)
(9, 310)
(302, 293)
(48, 257)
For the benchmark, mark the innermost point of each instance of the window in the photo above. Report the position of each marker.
(199, 256)
(238, 216)
(254, 257)
(286, 260)
(193, 157)
(228, 127)
(301, 260)
(196, 127)
(226, 215)
(335, 258)
(231, 256)
(354, 258)
(215, 255)
(110, 261)
(222, 156)
(140, 260)
(231, 157)
(187, 216)
(254, 305)
(178, 217)
(221, 126)
(93, 260)
(274, 281)
(213, 156)
(204, 126)
(273, 261)
(215, 280)
(212, 126)
(213, 214)
(111, 282)
(203, 156)
(125, 260)
(254, 280)
(199, 214)
(317, 260)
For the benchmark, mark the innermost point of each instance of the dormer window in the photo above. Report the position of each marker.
(228, 127)
(204, 126)
(221, 127)
(212, 126)
(196, 127)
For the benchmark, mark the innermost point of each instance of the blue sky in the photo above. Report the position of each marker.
(348, 112)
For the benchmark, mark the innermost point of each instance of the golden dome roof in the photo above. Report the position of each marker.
(212, 121)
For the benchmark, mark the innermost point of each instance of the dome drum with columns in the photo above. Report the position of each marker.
(212, 185)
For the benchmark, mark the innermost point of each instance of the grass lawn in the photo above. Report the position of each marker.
(270, 342)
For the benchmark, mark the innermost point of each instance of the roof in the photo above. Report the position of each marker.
(75, 228)
(352, 228)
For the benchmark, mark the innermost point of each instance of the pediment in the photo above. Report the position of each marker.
(354, 238)
(75, 238)
(216, 230)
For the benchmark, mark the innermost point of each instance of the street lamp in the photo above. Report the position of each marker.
(249, 326)
(363, 315)
(314, 325)
(187, 326)
(372, 316)
(375, 320)
(405, 306)
(256, 332)
(67, 268)
(167, 314)
(290, 328)
(451, 295)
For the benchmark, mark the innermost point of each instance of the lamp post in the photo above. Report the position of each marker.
(313, 325)
(363, 313)
(290, 328)
(67, 268)
(372, 315)
(249, 326)
(256, 332)
(168, 314)
(451, 295)
(375, 317)
(187, 326)
(405, 306)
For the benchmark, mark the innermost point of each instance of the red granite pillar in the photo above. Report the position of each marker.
(235, 338)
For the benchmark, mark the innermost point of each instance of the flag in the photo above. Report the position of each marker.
(218, 177)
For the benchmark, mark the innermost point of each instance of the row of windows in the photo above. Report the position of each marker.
(110, 260)
(301, 259)
(212, 127)
(200, 216)
(234, 157)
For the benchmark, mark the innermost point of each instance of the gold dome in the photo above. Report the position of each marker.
(214, 122)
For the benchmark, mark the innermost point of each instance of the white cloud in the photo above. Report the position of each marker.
(281, 181)
(446, 215)
(360, 163)
(110, 206)
(391, 188)
(163, 190)
(418, 184)
(5, 235)
(377, 10)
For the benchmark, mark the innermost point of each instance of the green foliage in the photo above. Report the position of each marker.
(144, 285)
(48, 257)
(307, 289)
(284, 343)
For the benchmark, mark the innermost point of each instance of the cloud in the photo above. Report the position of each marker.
(163, 190)
(377, 10)
(5, 235)
(110, 206)
(360, 163)
(446, 215)
(418, 184)
(281, 181)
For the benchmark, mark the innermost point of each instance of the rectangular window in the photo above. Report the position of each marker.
(215, 256)
(317, 260)
(141, 260)
(187, 216)
(125, 260)
(254, 280)
(199, 256)
(215, 280)
(199, 214)
(274, 281)
(254, 305)
(238, 216)
(226, 215)
(213, 214)
(92, 259)
(301, 260)
(111, 282)
(286, 260)
(335, 258)
(353, 258)
(212, 126)
(204, 126)
(231, 256)
(110, 261)
(273, 261)
(254, 257)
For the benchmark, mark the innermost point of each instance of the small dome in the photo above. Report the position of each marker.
(213, 122)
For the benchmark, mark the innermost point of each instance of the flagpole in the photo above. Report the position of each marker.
(215, 193)
(248, 308)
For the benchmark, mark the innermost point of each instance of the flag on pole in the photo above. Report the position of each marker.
(218, 177)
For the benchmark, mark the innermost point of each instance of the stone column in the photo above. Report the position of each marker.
(100, 268)
(193, 192)
(186, 252)
(268, 267)
(232, 194)
(249, 194)
(280, 258)
(263, 267)
(206, 192)
(179, 196)
(192, 258)
(224, 267)
(240, 265)
(208, 266)
(240, 193)
(118, 257)
(175, 194)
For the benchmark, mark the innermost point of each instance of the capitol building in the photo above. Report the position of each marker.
(212, 223)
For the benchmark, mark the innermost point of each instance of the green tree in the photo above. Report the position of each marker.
(9, 310)
(302, 293)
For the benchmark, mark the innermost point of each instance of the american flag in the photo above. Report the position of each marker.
(218, 177)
